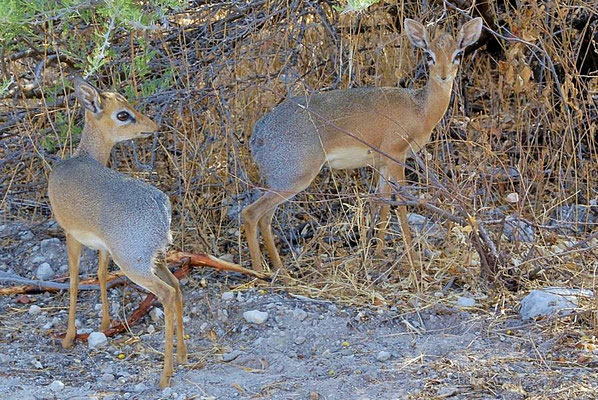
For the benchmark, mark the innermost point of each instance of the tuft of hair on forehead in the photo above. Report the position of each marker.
(114, 96)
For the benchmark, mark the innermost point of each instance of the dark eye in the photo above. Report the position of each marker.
(429, 58)
(123, 116)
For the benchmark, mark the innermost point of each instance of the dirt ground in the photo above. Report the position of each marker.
(307, 348)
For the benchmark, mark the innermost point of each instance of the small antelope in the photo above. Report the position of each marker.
(119, 216)
(342, 129)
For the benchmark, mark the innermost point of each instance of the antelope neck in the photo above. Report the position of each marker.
(93, 143)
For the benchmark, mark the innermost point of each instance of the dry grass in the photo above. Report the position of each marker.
(511, 128)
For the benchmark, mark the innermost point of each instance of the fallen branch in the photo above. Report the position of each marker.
(206, 260)
(35, 286)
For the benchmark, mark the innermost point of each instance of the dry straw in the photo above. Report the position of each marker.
(522, 121)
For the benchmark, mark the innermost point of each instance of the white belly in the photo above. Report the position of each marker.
(351, 157)
(89, 239)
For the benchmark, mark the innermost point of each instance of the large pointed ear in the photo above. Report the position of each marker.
(469, 33)
(88, 95)
(416, 33)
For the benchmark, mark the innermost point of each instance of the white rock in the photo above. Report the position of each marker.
(227, 296)
(156, 314)
(463, 301)
(44, 272)
(56, 386)
(512, 197)
(383, 356)
(151, 329)
(240, 297)
(97, 340)
(167, 392)
(34, 309)
(552, 300)
(255, 316)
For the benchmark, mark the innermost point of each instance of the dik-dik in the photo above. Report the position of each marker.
(121, 217)
(351, 128)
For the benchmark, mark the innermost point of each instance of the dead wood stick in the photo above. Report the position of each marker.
(35, 286)
(206, 260)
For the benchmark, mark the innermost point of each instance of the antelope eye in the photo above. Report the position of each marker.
(429, 58)
(123, 116)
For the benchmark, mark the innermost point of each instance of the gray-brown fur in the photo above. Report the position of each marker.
(119, 216)
(351, 128)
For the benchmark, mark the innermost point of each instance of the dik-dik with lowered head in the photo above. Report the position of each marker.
(119, 216)
(351, 128)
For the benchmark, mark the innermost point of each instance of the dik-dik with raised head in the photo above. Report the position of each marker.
(351, 128)
(121, 217)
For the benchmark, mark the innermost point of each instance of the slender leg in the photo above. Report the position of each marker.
(397, 173)
(255, 213)
(164, 273)
(166, 295)
(266, 228)
(250, 220)
(73, 249)
(103, 259)
(384, 191)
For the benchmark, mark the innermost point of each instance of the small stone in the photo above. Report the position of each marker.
(38, 259)
(186, 319)
(512, 197)
(463, 301)
(50, 246)
(228, 296)
(240, 297)
(299, 314)
(167, 392)
(107, 378)
(151, 329)
(56, 386)
(156, 314)
(140, 387)
(34, 309)
(227, 357)
(300, 340)
(383, 356)
(97, 340)
(551, 300)
(26, 235)
(447, 391)
(255, 316)
(44, 272)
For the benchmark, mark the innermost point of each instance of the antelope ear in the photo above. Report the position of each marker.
(469, 33)
(88, 95)
(417, 34)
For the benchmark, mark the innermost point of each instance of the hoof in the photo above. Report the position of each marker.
(164, 381)
(181, 359)
(68, 343)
